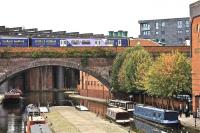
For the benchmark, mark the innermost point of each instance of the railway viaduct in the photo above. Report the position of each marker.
(99, 68)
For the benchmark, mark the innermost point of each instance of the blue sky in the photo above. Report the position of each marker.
(89, 16)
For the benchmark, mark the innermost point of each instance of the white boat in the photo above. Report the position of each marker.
(118, 115)
(82, 108)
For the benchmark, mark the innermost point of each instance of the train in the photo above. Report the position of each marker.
(62, 42)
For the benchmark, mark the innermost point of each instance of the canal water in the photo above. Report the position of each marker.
(11, 116)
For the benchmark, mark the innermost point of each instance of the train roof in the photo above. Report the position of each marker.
(153, 108)
(12, 37)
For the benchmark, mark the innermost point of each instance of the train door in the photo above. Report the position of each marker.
(119, 42)
(63, 43)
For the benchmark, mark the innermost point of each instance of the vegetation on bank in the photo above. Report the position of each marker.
(167, 76)
(50, 52)
(129, 68)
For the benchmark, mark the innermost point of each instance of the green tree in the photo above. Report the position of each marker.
(169, 76)
(129, 69)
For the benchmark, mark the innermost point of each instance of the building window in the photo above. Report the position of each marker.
(162, 40)
(157, 32)
(180, 40)
(163, 32)
(157, 25)
(146, 33)
(157, 40)
(163, 24)
(187, 31)
(145, 26)
(180, 31)
(179, 24)
(187, 23)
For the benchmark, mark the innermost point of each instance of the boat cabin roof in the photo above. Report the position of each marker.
(117, 110)
(154, 108)
(120, 101)
(40, 128)
(36, 118)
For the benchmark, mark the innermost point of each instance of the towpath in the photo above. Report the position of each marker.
(66, 119)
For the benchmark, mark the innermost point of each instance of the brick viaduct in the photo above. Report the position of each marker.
(97, 67)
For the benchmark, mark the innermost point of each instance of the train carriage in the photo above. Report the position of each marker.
(14, 42)
(48, 42)
(85, 42)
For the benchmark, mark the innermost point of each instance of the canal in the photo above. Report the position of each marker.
(11, 116)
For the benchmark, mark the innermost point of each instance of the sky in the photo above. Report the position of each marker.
(89, 16)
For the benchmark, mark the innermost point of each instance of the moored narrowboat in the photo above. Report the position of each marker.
(118, 115)
(160, 116)
(125, 105)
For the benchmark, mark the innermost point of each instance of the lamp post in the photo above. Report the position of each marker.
(130, 97)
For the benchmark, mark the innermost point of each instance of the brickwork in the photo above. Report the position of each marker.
(195, 62)
(92, 87)
(100, 69)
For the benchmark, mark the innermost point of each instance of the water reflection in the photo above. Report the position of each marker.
(11, 119)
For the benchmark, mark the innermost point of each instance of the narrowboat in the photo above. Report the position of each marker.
(34, 121)
(40, 128)
(12, 96)
(125, 105)
(118, 115)
(160, 116)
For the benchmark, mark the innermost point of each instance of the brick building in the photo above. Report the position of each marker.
(195, 17)
(173, 31)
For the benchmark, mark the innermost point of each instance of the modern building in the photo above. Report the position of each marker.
(195, 46)
(174, 31)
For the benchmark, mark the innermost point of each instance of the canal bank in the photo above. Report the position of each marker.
(190, 122)
(68, 119)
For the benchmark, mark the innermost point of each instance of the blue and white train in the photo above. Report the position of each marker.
(62, 42)
(161, 116)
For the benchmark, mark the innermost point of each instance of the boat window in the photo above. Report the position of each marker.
(159, 115)
(171, 116)
(121, 116)
(154, 114)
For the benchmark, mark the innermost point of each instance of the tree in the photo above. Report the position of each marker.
(169, 76)
(115, 68)
(129, 69)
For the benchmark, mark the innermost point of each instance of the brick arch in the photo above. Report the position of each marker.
(75, 64)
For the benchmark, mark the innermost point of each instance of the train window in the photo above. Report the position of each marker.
(85, 42)
(40, 42)
(51, 42)
(7, 42)
(75, 42)
(18, 42)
